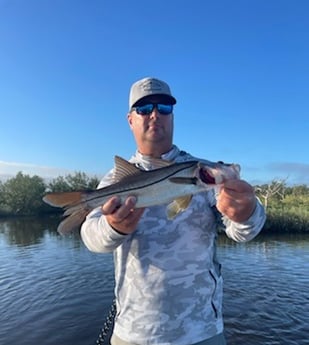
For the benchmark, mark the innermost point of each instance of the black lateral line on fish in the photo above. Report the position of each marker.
(114, 192)
(184, 180)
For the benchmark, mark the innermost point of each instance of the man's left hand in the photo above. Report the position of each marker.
(236, 200)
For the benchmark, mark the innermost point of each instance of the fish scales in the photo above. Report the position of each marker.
(150, 187)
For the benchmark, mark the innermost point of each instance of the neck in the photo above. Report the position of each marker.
(154, 152)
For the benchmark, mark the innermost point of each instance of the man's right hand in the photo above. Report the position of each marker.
(122, 217)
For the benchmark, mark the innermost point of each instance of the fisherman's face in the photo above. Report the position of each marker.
(153, 130)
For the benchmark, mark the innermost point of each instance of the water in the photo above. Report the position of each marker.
(54, 291)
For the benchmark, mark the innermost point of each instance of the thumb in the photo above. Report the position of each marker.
(239, 186)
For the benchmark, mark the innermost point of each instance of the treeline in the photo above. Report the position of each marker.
(22, 195)
(287, 207)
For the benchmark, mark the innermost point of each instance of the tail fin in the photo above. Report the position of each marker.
(75, 209)
(63, 199)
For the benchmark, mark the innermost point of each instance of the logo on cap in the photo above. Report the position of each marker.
(152, 85)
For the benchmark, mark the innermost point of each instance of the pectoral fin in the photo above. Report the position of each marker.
(177, 206)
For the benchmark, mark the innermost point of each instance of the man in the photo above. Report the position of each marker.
(168, 280)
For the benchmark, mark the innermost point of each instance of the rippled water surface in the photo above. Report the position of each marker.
(54, 291)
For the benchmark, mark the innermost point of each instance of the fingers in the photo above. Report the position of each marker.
(239, 186)
(127, 208)
(111, 205)
(122, 216)
(114, 206)
(236, 200)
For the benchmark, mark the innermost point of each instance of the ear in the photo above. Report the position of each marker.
(130, 120)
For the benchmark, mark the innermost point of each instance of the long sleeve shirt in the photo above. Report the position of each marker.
(168, 282)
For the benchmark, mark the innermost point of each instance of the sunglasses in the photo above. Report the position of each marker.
(147, 109)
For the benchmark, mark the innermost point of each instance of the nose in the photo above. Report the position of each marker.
(155, 113)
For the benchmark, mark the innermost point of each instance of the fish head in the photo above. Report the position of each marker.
(217, 173)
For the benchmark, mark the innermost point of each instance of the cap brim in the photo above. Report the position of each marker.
(167, 99)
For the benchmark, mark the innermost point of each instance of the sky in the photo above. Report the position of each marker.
(239, 70)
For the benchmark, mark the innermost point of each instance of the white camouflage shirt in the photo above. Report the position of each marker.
(168, 281)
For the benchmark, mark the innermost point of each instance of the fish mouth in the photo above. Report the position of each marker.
(206, 176)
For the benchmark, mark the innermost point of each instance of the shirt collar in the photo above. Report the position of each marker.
(149, 163)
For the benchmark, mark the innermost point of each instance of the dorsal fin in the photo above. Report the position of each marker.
(123, 168)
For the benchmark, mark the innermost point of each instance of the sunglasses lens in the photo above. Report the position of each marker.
(165, 109)
(145, 109)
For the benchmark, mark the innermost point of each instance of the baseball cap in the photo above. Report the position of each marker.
(148, 87)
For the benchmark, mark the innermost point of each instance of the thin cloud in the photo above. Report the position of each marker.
(301, 168)
(290, 172)
(293, 172)
(9, 169)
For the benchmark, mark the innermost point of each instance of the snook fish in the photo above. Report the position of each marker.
(172, 184)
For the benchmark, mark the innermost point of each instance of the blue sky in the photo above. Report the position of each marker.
(239, 70)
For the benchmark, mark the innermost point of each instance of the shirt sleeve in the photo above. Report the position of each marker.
(97, 235)
(246, 231)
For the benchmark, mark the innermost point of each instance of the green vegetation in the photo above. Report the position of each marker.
(287, 207)
(22, 195)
